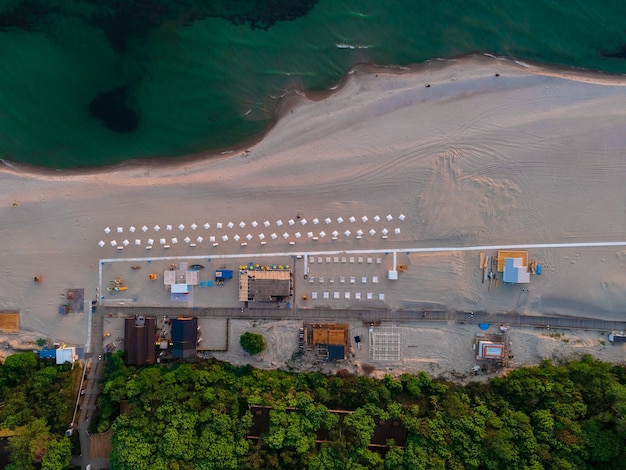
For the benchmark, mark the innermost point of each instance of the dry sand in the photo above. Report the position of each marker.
(529, 156)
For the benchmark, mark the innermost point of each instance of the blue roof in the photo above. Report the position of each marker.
(336, 352)
(48, 354)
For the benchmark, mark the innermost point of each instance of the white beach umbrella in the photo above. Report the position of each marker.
(212, 239)
(187, 240)
(168, 228)
(131, 229)
(101, 243)
(107, 230)
(389, 217)
(385, 231)
(279, 222)
(285, 235)
(309, 234)
(322, 234)
(248, 237)
(401, 217)
(303, 221)
(113, 243)
(376, 218)
(352, 219)
(261, 236)
(230, 225)
(327, 220)
(316, 221)
(397, 231)
(236, 238)
(242, 224)
(225, 238)
(274, 236)
(174, 241)
(364, 218)
(181, 227)
(125, 242)
(137, 242)
(207, 226)
(144, 229)
(193, 226)
(292, 222)
(120, 229)
(359, 232)
(156, 228)
(218, 225)
(162, 241)
(150, 241)
(372, 232)
(297, 235)
(347, 233)
(254, 223)
(266, 223)
(339, 220)
(199, 239)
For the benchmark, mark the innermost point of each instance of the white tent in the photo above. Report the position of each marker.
(218, 225)
(401, 217)
(156, 228)
(101, 243)
(376, 218)
(120, 229)
(285, 235)
(261, 236)
(372, 232)
(225, 238)
(187, 240)
(309, 234)
(316, 221)
(385, 231)
(389, 217)
(150, 241)
(107, 230)
(168, 228)
(352, 219)
(327, 220)
(212, 239)
(193, 226)
(303, 221)
(397, 231)
(297, 235)
(125, 242)
(292, 222)
(248, 237)
(322, 234)
(364, 218)
(236, 238)
(339, 220)
(242, 224)
(181, 227)
(254, 223)
(132, 229)
(347, 233)
(266, 223)
(230, 225)
(137, 242)
(359, 232)
(207, 226)
(279, 222)
(162, 241)
(274, 236)
(144, 229)
(174, 241)
(199, 239)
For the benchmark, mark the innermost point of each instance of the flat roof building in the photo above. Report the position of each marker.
(184, 337)
(264, 286)
(139, 341)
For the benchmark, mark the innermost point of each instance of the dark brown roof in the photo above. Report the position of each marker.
(139, 342)
(266, 290)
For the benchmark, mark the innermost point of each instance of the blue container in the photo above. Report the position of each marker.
(539, 269)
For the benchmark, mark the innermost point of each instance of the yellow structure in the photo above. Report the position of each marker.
(503, 255)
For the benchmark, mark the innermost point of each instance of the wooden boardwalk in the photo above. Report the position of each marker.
(334, 315)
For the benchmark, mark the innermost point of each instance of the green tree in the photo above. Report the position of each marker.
(252, 343)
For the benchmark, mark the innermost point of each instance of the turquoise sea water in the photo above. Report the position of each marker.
(193, 75)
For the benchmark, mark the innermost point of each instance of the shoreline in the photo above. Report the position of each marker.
(295, 97)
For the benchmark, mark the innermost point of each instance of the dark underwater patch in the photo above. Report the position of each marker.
(111, 107)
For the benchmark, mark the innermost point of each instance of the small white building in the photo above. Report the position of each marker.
(64, 355)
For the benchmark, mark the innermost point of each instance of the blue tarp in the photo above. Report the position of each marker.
(48, 354)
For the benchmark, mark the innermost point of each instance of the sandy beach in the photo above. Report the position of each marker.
(475, 151)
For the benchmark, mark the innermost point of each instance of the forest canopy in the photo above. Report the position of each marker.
(199, 416)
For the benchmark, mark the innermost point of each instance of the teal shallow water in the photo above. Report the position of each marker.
(208, 84)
